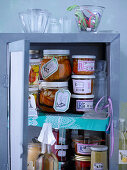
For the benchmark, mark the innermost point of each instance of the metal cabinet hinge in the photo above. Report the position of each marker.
(5, 81)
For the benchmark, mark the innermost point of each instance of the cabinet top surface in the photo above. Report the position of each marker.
(82, 37)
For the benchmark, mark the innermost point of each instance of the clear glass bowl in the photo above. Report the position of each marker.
(88, 17)
(34, 20)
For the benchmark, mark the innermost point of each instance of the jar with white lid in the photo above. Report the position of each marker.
(34, 65)
(55, 65)
(83, 64)
(99, 157)
(82, 103)
(46, 95)
(83, 84)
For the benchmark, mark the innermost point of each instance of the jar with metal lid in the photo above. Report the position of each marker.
(83, 64)
(34, 149)
(82, 103)
(46, 94)
(99, 157)
(82, 162)
(83, 84)
(55, 65)
(32, 101)
(34, 54)
(34, 65)
(83, 145)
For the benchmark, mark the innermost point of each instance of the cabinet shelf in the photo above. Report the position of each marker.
(69, 121)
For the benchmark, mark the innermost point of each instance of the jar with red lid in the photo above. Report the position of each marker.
(83, 145)
(83, 84)
(82, 103)
(82, 162)
(83, 64)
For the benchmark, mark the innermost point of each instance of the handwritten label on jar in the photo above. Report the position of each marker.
(61, 147)
(49, 68)
(84, 65)
(84, 149)
(98, 166)
(82, 86)
(61, 153)
(122, 156)
(32, 111)
(84, 105)
(62, 100)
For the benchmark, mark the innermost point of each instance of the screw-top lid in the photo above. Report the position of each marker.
(82, 96)
(59, 52)
(44, 84)
(84, 56)
(99, 148)
(83, 76)
(82, 158)
(34, 52)
(33, 89)
(35, 61)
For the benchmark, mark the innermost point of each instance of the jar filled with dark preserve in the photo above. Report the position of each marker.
(82, 162)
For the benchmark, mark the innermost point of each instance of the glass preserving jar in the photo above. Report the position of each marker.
(82, 162)
(46, 94)
(83, 64)
(82, 103)
(34, 71)
(34, 149)
(83, 145)
(99, 157)
(83, 84)
(55, 65)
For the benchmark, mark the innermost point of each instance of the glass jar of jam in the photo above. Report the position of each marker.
(34, 149)
(83, 64)
(46, 94)
(83, 145)
(55, 65)
(82, 103)
(99, 157)
(82, 162)
(83, 84)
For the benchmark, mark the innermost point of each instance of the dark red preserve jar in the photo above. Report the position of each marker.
(82, 162)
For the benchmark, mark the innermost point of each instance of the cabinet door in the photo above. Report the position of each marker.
(18, 103)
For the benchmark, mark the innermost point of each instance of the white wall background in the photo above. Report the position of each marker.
(114, 18)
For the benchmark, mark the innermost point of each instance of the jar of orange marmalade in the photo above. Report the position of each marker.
(55, 65)
(83, 64)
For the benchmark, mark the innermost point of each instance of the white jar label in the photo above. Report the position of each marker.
(84, 65)
(62, 100)
(32, 111)
(98, 166)
(61, 153)
(122, 156)
(81, 86)
(84, 149)
(84, 105)
(49, 68)
(61, 147)
(30, 165)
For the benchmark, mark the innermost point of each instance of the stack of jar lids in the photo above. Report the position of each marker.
(83, 82)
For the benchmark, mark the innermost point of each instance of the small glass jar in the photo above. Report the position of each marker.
(83, 145)
(99, 157)
(82, 162)
(34, 149)
(82, 103)
(46, 94)
(63, 72)
(34, 54)
(83, 64)
(83, 84)
(34, 65)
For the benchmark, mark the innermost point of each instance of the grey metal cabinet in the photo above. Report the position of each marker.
(14, 63)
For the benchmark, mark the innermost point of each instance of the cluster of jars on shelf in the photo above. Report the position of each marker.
(50, 75)
(78, 149)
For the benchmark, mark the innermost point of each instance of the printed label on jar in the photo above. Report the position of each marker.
(84, 105)
(84, 149)
(86, 65)
(61, 147)
(62, 100)
(82, 86)
(122, 156)
(61, 153)
(98, 166)
(33, 74)
(49, 68)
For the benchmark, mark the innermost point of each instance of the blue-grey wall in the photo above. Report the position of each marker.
(114, 18)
